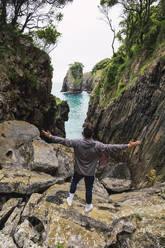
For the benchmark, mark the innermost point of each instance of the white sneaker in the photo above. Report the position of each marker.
(69, 199)
(88, 207)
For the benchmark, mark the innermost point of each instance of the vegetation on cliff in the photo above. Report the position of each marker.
(142, 35)
(77, 72)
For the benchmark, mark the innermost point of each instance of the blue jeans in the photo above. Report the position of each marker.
(89, 180)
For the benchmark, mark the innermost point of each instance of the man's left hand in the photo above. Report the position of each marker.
(134, 143)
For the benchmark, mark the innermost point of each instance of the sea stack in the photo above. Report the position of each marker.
(73, 80)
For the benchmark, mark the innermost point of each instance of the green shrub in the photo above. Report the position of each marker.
(59, 246)
(51, 68)
(120, 89)
(76, 69)
(77, 72)
(12, 30)
(101, 65)
(25, 61)
(138, 217)
(58, 101)
(110, 73)
(142, 69)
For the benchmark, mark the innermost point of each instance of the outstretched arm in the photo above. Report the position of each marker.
(116, 147)
(59, 140)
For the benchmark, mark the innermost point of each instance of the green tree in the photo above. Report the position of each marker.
(101, 65)
(30, 14)
(77, 69)
(137, 20)
(46, 38)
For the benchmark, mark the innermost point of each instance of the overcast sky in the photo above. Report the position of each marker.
(85, 37)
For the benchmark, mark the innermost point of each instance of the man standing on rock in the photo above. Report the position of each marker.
(87, 152)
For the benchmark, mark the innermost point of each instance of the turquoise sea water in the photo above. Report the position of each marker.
(78, 104)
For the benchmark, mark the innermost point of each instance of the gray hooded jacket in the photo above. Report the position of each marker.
(87, 152)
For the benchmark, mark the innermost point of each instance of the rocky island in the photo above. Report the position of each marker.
(76, 81)
(73, 80)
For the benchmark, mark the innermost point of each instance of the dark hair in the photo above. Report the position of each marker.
(88, 131)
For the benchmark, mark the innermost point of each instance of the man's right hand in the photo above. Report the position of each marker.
(46, 133)
(134, 143)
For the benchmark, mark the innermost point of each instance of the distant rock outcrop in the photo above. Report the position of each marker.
(88, 82)
(73, 80)
(69, 84)
(25, 85)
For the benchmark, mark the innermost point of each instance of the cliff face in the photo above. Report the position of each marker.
(89, 81)
(72, 85)
(137, 113)
(25, 84)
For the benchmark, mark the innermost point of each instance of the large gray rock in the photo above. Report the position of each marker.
(27, 236)
(16, 138)
(13, 220)
(116, 185)
(116, 178)
(44, 157)
(22, 147)
(65, 157)
(22, 181)
(119, 171)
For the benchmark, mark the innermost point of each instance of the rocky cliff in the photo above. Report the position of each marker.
(33, 209)
(89, 81)
(25, 85)
(135, 110)
(73, 80)
(76, 81)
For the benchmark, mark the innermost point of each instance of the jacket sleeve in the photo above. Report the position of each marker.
(64, 141)
(101, 147)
